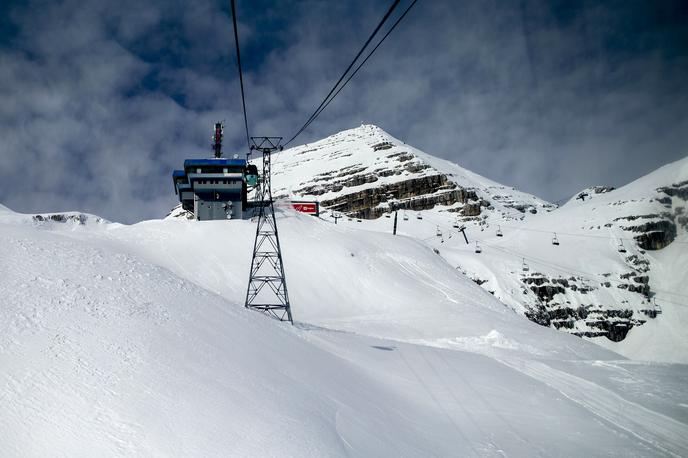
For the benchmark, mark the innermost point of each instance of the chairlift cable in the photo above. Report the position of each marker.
(581, 235)
(308, 123)
(568, 270)
(341, 78)
(241, 74)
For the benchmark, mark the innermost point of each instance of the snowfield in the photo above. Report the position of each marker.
(598, 276)
(123, 340)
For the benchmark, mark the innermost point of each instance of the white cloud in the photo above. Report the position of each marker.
(100, 101)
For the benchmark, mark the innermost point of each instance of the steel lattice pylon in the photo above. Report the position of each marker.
(267, 285)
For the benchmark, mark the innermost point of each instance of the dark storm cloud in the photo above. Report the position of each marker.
(100, 100)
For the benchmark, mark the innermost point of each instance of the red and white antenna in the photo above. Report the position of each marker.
(217, 140)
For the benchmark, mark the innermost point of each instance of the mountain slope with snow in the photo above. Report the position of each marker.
(132, 340)
(594, 267)
(364, 172)
(620, 264)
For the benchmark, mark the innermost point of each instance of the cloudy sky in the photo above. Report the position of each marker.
(100, 100)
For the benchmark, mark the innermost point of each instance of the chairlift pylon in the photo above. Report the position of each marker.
(555, 240)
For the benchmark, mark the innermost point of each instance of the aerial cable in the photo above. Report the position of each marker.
(594, 236)
(361, 64)
(569, 270)
(341, 78)
(241, 75)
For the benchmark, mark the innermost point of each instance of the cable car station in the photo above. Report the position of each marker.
(217, 188)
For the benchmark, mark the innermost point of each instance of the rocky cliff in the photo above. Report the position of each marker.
(365, 173)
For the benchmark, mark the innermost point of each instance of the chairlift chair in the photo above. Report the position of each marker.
(499, 231)
(524, 266)
(419, 216)
(456, 224)
(439, 232)
(405, 217)
(621, 248)
(555, 240)
(477, 248)
(657, 308)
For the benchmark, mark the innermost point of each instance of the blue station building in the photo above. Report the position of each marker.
(217, 188)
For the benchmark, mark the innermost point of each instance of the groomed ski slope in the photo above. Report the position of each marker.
(133, 340)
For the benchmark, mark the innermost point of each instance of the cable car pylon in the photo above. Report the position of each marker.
(267, 284)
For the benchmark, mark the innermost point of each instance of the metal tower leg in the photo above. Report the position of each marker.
(267, 284)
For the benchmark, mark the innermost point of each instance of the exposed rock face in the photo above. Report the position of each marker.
(592, 191)
(555, 296)
(179, 212)
(655, 235)
(365, 173)
(471, 209)
(77, 218)
(656, 232)
(413, 194)
(679, 190)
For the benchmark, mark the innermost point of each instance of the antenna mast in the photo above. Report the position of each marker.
(217, 140)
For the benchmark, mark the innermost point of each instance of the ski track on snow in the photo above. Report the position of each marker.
(662, 432)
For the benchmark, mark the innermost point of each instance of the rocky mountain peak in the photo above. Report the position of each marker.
(365, 172)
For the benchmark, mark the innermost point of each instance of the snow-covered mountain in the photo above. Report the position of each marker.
(602, 264)
(365, 172)
(132, 340)
(121, 340)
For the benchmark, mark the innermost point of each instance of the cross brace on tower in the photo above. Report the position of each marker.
(267, 285)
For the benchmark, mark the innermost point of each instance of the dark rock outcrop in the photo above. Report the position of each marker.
(413, 194)
(554, 295)
(657, 232)
(78, 218)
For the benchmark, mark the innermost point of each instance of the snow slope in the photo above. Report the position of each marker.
(664, 339)
(132, 340)
(589, 234)
(587, 285)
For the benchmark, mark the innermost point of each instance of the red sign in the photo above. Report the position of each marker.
(306, 207)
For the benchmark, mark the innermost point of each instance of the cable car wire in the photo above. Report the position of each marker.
(341, 78)
(517, 228)
(399, 19)
(571, 271)
(241, 74)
